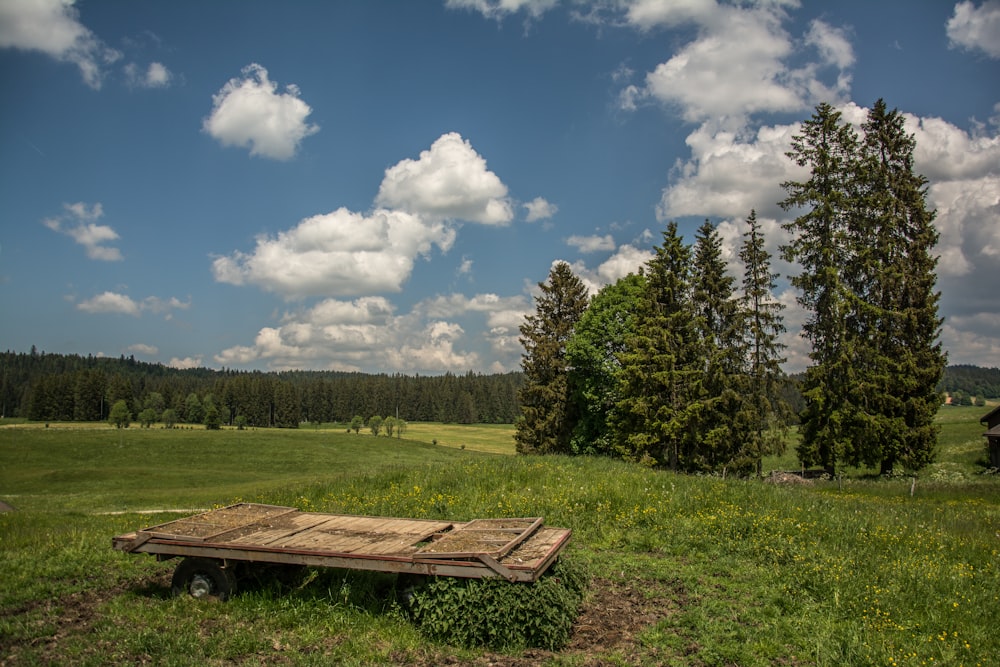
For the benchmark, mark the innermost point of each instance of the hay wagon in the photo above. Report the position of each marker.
(215, 544)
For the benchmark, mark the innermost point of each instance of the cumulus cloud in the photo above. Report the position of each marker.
(591, 243)
(341, 253)
(730, 173)
(78, 223)
(54, 28)
(110, 302)
(367, 333)
(976, 27)
(539, 209)
(349, 254)
(114, 302)
(450, 181)
(155, 76)
(738, 64)
(142, 348)
(248, 112)
(185, 363)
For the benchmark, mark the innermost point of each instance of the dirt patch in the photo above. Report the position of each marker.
(4, 507)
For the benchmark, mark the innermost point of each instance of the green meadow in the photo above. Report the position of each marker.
(682, 570)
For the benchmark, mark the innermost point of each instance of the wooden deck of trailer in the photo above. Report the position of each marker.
(518, 549)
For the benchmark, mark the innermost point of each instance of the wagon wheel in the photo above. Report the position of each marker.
(408, 585)
(203, 578)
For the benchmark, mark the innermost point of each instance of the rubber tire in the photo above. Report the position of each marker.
(220, 581)
(407, 585)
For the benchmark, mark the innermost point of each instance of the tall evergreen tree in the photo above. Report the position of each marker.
(547, 415)
(663, 365)
(894, 292)
(722, 426)
(821, 245)
(767, 412)
(865, 243)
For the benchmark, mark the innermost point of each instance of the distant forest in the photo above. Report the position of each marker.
(60, 387)
(63, 387)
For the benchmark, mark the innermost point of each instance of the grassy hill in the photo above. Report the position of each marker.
(683, 570)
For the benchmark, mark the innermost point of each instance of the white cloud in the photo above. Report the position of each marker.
(730, 173)
(142, 348)
(110, 302)
(77, 223)
(367, 334)
(975, 27)
(156, 76)
(539, 209)
(591, 243)
(649, 14)
(249, 113)
(113, 302)
(499, 9)
(832, 43)
(449, 181)
(341, 253)
(972, 339)
(738, 64)
(53, 27)
(626, 259)
(185, 363)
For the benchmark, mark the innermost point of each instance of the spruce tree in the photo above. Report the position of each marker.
(865, 243)
(663, 365)
(820, 244)
(548, 416)
(896, 298)
(767, 412)
(721, 425)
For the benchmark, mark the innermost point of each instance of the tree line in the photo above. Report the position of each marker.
(675, 367)
(57, 387)
(971, 382)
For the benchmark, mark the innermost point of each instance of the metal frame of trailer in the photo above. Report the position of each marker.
(213, 543)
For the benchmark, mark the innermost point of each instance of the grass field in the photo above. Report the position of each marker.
(684, 570)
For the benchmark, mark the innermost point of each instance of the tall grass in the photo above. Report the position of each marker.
(858, 572)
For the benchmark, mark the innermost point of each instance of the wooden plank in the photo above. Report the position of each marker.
(495, 537)
(206, 525)
(272, 532)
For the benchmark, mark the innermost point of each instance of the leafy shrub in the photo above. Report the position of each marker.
(497, 614)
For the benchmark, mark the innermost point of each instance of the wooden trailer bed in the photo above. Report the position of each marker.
(519, 549)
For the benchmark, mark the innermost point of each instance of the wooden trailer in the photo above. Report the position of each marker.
(215, 544)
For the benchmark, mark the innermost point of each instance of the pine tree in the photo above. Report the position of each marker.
(767, 412)
(820, 244)
(663, 365)
(548, 416)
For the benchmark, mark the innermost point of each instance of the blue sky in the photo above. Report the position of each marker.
(379, 186)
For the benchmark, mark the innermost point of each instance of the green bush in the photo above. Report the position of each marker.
(500, 615)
